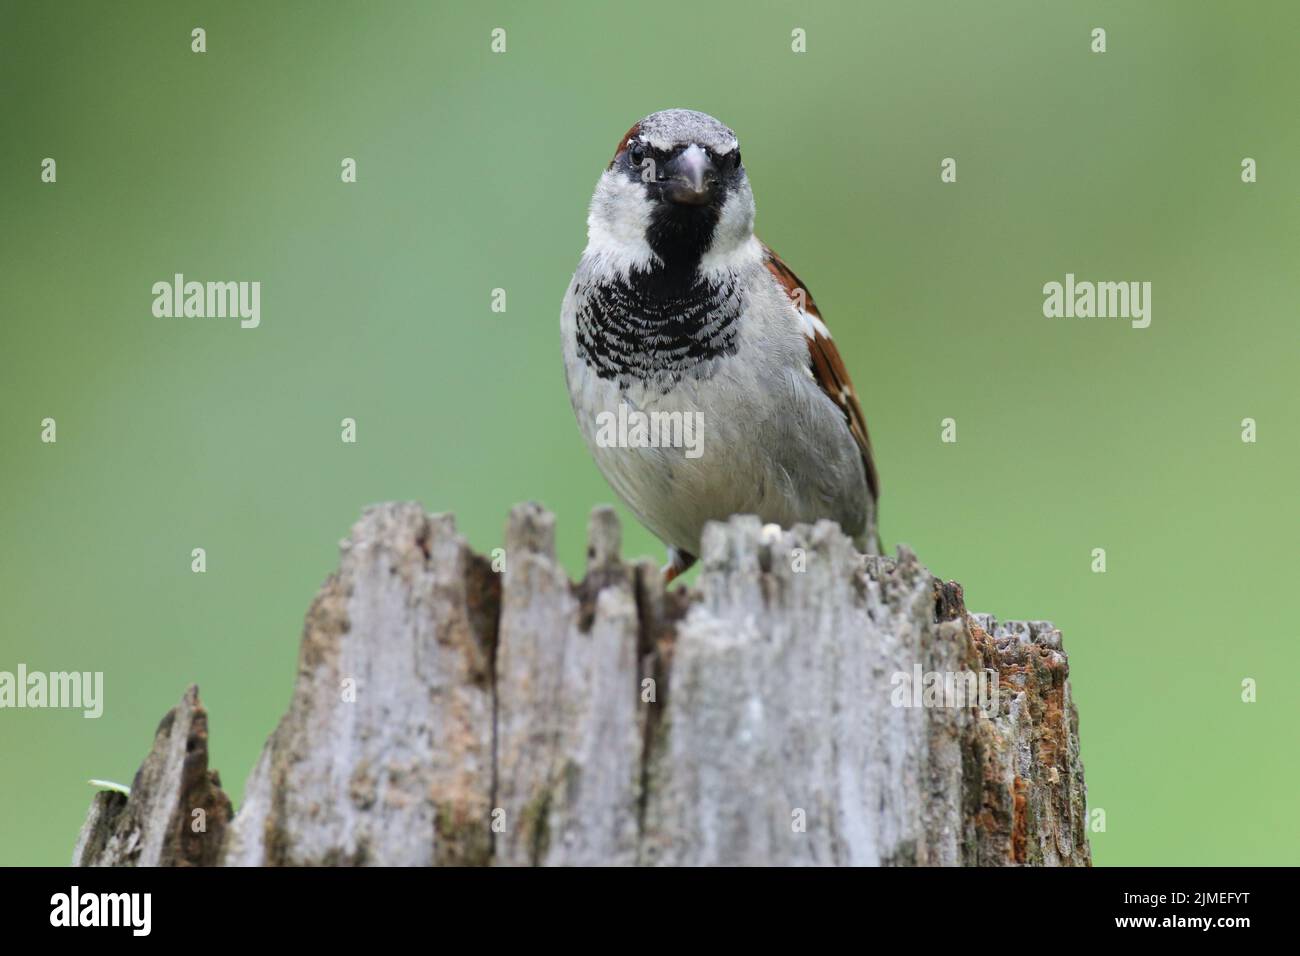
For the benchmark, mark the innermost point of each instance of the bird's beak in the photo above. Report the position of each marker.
(691, 177)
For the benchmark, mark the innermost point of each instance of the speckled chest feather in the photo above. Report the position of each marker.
(655, 329)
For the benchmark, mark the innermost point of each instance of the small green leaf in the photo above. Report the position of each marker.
(110, 785)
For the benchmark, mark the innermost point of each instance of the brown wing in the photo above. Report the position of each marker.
(827, 366)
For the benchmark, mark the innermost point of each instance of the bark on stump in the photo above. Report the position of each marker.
(445, 713)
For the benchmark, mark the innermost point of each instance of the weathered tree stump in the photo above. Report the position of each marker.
(450, 712)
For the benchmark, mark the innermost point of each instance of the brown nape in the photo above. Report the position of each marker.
(622, 143)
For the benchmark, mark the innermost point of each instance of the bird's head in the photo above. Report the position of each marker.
(674, 194)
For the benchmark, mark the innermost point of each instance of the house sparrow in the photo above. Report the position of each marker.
(702, 375)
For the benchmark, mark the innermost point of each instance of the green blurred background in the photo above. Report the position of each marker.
(474, 171)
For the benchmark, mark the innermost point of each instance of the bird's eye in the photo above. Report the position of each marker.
(636, 154)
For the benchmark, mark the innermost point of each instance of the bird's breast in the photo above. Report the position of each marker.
(655, 328)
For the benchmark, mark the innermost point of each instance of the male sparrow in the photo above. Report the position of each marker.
(677, 319)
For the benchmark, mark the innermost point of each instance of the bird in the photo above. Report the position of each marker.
(701, 372)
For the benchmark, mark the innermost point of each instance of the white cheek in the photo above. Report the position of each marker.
(617, 224)
(734, 244)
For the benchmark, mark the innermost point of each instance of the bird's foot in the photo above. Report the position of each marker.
(679, 562)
